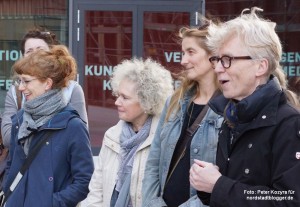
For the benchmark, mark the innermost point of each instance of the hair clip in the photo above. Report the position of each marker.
(45, 33)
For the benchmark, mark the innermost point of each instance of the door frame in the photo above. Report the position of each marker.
(137, 7)
(77, 18)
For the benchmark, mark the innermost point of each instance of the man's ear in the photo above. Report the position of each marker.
(262, 67)
(49, 83)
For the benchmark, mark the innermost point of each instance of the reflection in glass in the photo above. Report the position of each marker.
(160, 40)
(108, 40)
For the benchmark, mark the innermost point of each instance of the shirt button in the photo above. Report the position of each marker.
(196, 150)
(247, 171)
(228, 159)
(50, 179)
(250, 145)
(264, 117)
(17, 127)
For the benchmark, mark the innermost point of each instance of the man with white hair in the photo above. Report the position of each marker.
(258, 154)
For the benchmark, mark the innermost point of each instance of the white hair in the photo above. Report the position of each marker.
(258, 36)
(153, 82)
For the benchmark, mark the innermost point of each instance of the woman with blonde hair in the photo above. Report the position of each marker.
(187, 129)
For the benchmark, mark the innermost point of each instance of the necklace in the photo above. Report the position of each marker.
(190, 114)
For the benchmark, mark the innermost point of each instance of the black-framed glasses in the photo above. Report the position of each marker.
(226, 60)
(19, 81)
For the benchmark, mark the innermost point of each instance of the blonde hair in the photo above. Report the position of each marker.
(153, 82)
(291, 96)
(200, 34)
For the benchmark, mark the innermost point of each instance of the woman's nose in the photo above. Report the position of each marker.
(117, 102)
(21, 87)
(183, 60)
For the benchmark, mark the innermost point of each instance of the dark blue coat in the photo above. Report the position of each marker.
(261, 165)
(60, 173)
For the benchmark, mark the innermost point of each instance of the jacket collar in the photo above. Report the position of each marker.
(186, 99)
(59, 121)
(149, 140)
(265, 97)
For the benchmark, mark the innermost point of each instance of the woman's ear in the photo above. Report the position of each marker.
(49, 83)
(262, 67)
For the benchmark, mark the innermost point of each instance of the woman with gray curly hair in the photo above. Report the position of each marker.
(141, 88)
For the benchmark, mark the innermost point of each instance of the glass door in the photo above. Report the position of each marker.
(105, 34)
(108, 40)
(104, 40)
(160, 39)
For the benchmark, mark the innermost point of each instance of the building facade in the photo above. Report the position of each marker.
(102, 33)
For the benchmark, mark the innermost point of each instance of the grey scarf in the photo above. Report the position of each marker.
(39, 110)
(130, 141)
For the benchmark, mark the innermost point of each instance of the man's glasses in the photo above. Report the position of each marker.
(19, 81)
(226, 60)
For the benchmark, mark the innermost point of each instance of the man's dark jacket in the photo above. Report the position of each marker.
(259, 159)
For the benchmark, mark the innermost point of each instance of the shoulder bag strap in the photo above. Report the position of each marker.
(193, 128)
(188, 135)
(28, 161)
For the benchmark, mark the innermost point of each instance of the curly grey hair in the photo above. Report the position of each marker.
(153, 82)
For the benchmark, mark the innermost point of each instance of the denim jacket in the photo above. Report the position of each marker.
(203, 147)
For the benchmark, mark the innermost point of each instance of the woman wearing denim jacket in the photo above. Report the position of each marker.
(166, 180)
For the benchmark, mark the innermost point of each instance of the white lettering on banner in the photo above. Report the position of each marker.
(98, 70)
(6, 83)
(176, 56)
(290, 57)
(10, 55)
(291, 63)
(291, 71)
(106, 85)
